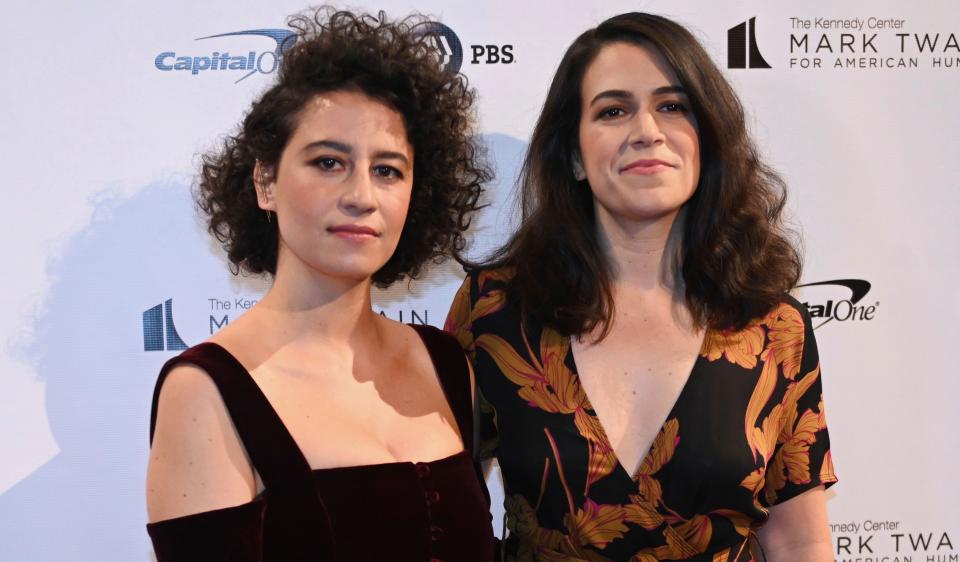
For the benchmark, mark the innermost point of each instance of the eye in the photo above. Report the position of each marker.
(611, 113)
(387, 172)
(674, 107)
(327, 164)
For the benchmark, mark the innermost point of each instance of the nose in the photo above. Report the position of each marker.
(645, 130)
(358, 197)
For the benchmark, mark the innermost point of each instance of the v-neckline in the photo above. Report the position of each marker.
(681, 396)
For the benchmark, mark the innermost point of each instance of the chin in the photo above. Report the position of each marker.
(352, 271)
(646, 215)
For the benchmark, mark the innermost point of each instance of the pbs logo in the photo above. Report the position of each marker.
(491, 54)
(450, 49)
(446, 43)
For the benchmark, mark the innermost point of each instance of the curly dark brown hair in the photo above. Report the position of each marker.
(393, 62)
(737, 258)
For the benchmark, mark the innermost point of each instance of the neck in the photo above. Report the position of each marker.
(305, 305)
(643, 254)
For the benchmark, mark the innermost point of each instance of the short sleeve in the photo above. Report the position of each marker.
(459, 323)
(801, 459)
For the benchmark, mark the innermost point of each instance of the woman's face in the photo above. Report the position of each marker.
(342, 186)
(638, 137)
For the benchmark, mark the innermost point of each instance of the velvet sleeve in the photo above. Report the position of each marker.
(233, 534)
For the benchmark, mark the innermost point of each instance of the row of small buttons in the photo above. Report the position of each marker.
(432, 497)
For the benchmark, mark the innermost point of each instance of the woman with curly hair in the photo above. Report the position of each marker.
(313, 428)
(650, 389)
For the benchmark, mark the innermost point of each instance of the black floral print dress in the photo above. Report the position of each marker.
(746, 432)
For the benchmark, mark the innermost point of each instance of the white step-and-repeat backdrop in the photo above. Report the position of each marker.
(108, 272)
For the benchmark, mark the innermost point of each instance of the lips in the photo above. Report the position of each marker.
(352, 230)
(646, 166)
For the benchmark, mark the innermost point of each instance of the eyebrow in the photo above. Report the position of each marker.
(390, 155)
(335, 145)
(347, 149)
(627, 95)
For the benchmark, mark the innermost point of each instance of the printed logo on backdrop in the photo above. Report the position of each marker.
(839, 300)
(219, 60)
(866, 42)
(740, 50)
(890, 541)
(448, 44)
(255, 59)
(160, 333)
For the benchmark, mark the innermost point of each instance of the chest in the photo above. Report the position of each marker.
(633, 378)
(355, 412)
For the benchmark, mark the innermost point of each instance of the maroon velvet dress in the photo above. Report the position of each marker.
(398, 511)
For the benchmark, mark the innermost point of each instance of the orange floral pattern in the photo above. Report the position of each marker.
(741, 347)
(703, 486)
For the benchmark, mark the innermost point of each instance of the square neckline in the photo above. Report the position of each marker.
(434, 360)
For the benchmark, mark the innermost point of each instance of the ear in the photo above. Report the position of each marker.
(264, 182)
(578, 172)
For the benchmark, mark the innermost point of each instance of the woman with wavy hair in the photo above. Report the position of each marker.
(650, 389)
(313, 428)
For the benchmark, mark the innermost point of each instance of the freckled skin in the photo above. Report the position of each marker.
(319, 186)
(323, 358)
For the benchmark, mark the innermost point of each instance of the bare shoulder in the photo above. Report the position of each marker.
(398, 336)
(197, 462)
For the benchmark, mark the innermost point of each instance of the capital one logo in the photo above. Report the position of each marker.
(841, 300)
(738, 48)
(159, 333)
(250, 62)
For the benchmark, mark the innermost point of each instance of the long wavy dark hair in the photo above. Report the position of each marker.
(392, 62)
(736, 258)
